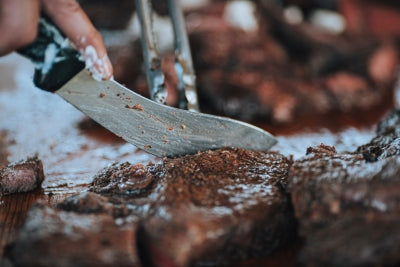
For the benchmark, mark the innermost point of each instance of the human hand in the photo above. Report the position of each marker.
(19, 21)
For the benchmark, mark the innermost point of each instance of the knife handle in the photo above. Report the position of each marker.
(55, 60)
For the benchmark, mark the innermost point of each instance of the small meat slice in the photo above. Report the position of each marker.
(53, 237)
(348, 209)
(212, 207)
(22, 176)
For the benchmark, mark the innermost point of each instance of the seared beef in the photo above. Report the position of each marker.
(220, 206)
(356, 240)
(3, 148)
(212, 207)
(217, 207)
(387, 141)
(326, 186)
(348, 207)
(53, 237)
(377, 17)
(22, 176)
(114, 14)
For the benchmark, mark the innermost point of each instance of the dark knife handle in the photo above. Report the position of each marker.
(55, 60)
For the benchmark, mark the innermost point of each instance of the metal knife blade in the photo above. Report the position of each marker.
(158, 129)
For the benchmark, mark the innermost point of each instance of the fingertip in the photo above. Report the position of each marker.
(108, 68)
(75, 24)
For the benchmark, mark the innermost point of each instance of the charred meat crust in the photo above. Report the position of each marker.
(347, 205)
(212, 207)
(22, 176)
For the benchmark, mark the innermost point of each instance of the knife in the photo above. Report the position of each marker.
(159, 129)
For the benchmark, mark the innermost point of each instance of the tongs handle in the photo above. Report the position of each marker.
(55, 60)
(152, 61)
(183, 58)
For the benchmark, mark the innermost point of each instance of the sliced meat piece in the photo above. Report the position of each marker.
(348, 209)
(213, 207)
(22, 176)
(218, 207)
(53, 237)
(387, 141)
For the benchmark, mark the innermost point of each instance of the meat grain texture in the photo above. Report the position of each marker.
(221, 206)
(22, 176)
(348, 205)
(214, 207)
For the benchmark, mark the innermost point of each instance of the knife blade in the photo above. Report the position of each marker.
(156, 128)
(159, 129)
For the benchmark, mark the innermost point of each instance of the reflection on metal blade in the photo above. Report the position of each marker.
(158, 129)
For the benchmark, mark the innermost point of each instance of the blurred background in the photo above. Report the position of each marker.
(286, 65)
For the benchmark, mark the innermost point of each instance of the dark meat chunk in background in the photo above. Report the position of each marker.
(105, 14)
(348, 208)
(116, 14)
(355, 241)
(326, 185)
(315, 185)
(387, 141)
(126, 57)
(212, 207)
(377, 17)
(22, 176)
(283, 73)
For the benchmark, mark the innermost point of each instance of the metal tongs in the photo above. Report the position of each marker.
(183, 58)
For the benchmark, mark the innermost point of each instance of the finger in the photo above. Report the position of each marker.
(74, 23)
(18, 23)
